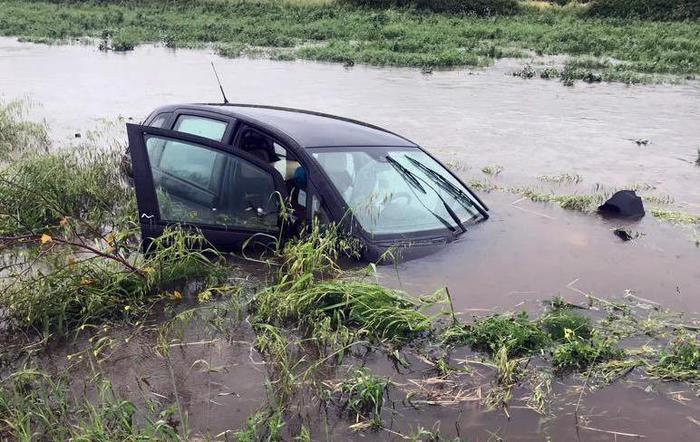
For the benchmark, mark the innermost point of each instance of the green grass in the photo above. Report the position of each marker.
(517, 334)
(40, 191)
(17, 133)
(557, 322)
(73, 287)
(680, 362)
(382, 313)
(578, 354)
(339, 33)
(363, 394)
(675, 216)
(37, 406)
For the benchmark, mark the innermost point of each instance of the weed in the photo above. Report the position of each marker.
(34, 403)
(17, 134)
(99, 285)
(577, 202)
(549, 73)
(578, 354)
(363, 393)
(697, 160)
(556, 323)
(493, 169)
(40, 190)
(541, 391)
(382, 313)
(570, 178)
(525, 73)
(681, 362)
(675, 216)
(650, 9)
(517, 334)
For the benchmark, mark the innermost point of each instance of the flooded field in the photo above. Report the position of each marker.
(526, 253)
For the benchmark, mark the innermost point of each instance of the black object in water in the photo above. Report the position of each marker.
(623, 204)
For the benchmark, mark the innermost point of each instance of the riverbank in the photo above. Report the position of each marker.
(627, 50)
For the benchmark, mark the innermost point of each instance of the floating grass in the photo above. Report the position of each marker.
(557, 322)
(680, 362)
(517, 334)
(382, 313)
(578, 354)
(675, 216)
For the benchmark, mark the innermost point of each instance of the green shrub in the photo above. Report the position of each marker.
(73, 287)
(517, 334)
(647, 9)
(363, 393)
(578, 354)
(38, 191)
(681, 362)
(477, 7)
(557, 322)
(123, 43)
(17, 134)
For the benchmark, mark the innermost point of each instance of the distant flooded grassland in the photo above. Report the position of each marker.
(608, 40)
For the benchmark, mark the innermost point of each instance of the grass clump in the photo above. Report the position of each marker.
(305, 296)
(646, 9)
(675, 216)
(75, 286)
(492, 169)
(578, 354)
(17, 134)
(380, 312)
(681, 362)
(517, 334)
(557, 322)
(35, 406)
(577, 202)
(38, 191)
(363, 394)
(476, 7)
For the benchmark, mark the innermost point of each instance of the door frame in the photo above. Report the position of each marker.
(223, 238)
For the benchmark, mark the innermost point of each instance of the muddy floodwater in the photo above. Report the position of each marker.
(525, 253)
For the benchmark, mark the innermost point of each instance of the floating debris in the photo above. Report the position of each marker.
(623, 204)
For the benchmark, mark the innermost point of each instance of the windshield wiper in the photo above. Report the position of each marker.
(445, 184)
(411, 178)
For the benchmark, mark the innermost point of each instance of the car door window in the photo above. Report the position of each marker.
(200, 185)
(201, 126)
(268, 150)
(160, 120)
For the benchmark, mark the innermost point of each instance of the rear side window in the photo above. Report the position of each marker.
(201, 126)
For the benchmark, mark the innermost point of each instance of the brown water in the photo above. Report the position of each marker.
(525, 253)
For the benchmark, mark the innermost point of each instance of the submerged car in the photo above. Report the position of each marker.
(231, 169)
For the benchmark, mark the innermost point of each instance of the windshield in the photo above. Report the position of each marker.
(398, 191)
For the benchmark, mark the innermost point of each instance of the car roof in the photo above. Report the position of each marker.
(309, 129)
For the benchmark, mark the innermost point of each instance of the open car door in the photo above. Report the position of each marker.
(186, 180)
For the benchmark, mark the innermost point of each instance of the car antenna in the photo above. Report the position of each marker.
(223, 94)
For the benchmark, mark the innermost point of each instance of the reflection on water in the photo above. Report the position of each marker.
(526, 252)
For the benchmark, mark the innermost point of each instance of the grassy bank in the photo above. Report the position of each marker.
(338, 32)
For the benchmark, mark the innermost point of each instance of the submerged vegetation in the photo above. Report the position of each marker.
(401, 33)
